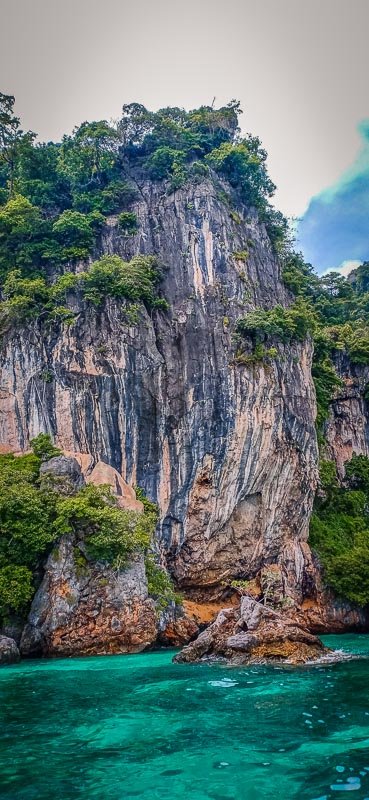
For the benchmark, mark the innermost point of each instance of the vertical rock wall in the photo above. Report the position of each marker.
(228, 451)
(347, 429)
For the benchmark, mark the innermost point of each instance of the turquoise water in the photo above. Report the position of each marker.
(141, 727)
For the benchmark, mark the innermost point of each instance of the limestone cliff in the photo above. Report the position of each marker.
(227, 450)
(347, 429)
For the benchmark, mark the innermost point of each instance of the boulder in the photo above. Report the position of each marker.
(65, 472)
(9, 653)
(125, 495)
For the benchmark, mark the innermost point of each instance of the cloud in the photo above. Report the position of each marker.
(335, 228)
(345, 268)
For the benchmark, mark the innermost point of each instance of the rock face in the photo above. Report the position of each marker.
(9, 653)
(348, 424)
(125, 494)
(228, 451)
(327, 614)
(253, 634)
(175, 628)
(83, 608)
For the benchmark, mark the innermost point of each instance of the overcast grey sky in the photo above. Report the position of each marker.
(299, 67)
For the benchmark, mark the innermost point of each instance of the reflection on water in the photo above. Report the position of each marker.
(141, 727)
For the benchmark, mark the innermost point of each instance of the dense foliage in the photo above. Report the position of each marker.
(54, 197)
(341, 309)
(160, 584)
(339, 530)
(284, 324)
(110, 534)
(35, 512)
(34, 298)
(334, 310)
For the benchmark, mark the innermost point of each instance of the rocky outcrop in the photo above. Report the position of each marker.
(327, 614)
(9, 653)
(64, 472)
(157, 399)
(266, 624)
(175, 627)
(252, 634)
(86, 608)
(81, 606)
(103, 474)
(227, 450)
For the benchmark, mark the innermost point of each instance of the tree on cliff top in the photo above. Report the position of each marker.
(13, 141)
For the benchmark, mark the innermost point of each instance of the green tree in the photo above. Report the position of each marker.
(88, 157)
(111, 534)
(43, 447)
(25, 513)
(21, 235)
(357, 472)
(128, 223)
(164, 162)
(339, 528)
(76, 233)
(13, 141)
(111, 276)
(243, 165)
(16, 589)
(38, 178)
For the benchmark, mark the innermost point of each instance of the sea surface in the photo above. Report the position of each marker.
(141, 727)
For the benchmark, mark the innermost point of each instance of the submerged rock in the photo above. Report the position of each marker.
(9, 653)
(254, 633)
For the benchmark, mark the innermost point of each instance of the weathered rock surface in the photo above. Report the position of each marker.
(327, 614)
(254, 633)
(176, 628)
(104, 474)
(347, 429)
(228, 451)
(86, 608)
(9, 653)
(65, 473)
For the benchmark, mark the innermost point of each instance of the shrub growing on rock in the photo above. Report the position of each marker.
(111, 534)
(35, 512)
(128, 223)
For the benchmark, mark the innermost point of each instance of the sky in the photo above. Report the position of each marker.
(335, 227)
(299, 68)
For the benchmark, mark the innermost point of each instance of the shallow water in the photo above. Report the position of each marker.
(141, 727)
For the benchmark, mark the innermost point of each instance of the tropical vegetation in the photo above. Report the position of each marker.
(35, 511)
